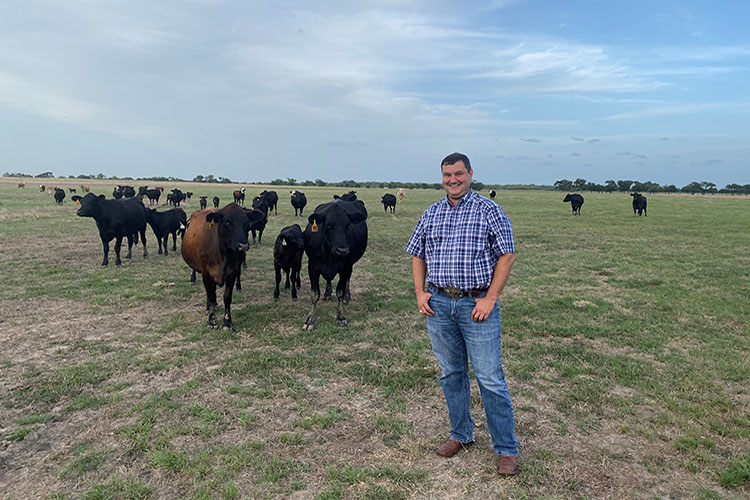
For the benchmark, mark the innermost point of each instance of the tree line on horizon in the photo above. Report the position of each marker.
(623, 186)
(609, 186)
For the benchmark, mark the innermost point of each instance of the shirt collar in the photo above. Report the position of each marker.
(464, 199)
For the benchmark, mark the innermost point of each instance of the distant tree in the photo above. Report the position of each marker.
(198, 178)
(624, 186)
(291, 181)
(16, 174)
(307, 182)
(45, 175)
(101, 176)
(594, 187)
(320, 182)
(670, 188)
(610, 186)
(694, 187)
(278, 182)
(708, 187)
(579, 184)
(477, 186)
(564, 185)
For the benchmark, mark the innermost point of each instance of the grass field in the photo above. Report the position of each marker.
(626, 348)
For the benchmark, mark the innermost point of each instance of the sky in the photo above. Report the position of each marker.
(532, 91)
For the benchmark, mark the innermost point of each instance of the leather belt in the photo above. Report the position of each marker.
(457, 293)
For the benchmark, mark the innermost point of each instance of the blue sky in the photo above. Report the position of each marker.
(532, 91)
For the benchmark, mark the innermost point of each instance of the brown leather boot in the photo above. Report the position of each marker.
(507, 465)
(451, 447)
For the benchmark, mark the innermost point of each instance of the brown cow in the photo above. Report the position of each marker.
(400, 194)
(214, 245)
(85, 188)
(239, 196)
(41, 188)
(21, 184)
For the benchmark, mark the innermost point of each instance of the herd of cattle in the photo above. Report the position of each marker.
(576, 201)
(215, 241)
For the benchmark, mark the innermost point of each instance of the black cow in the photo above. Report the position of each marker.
(272, 200)
(350, 196)
(260, 203)
(492, 194)
(335, 238)
(116, 219)
(128, 191)
(576, 200)
(299, 200)
(117, 193)
(165, 223)
(259, 225)
(216, 202)
(287, 256)
(59, 196)
(203, 201)
(639, 204)
(176, 197)
(188, 195)
(389, 200)
(153, 195)
(214, 245)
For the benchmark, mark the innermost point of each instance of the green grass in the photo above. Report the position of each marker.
(620, 334)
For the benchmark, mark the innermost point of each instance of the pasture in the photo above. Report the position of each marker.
(626, 347)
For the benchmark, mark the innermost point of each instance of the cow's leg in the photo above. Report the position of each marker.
(118, 244)
(287, 270)
(143, 239)
(327, 294)
(210, 286)
(166, 244)
(244, 261)
(105, 247)
(228, 288)
(342, 290)
(158, 241)
(295, 278)
(174, 241)
(277, 272)
(130, 246)
(192, 278)
(315, 296)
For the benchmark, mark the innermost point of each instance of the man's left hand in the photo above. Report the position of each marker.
(483, 308)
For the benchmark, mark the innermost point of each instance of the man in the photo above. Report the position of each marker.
(462, 250)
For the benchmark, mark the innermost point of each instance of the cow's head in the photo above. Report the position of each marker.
(335, 225)
(233, 223)
(567, 198)
(90, 205)
(291, 237)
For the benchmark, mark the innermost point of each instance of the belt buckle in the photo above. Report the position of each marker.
(453, 293)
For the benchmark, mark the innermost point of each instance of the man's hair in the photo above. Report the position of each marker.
(455, 158)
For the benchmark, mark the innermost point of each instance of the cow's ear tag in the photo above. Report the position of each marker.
(314, 227)
(78, 203)
(211, 225)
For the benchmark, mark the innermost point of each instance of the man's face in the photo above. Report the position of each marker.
(456, 180)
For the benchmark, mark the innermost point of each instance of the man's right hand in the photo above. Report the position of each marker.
(423, 303)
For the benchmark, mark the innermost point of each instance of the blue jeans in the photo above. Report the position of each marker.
(454, 335)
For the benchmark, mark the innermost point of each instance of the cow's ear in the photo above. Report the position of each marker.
(254, 215)
(357, 217)
(316, 219)
(214, 217)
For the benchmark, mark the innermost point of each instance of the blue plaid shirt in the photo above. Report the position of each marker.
(461, 244)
